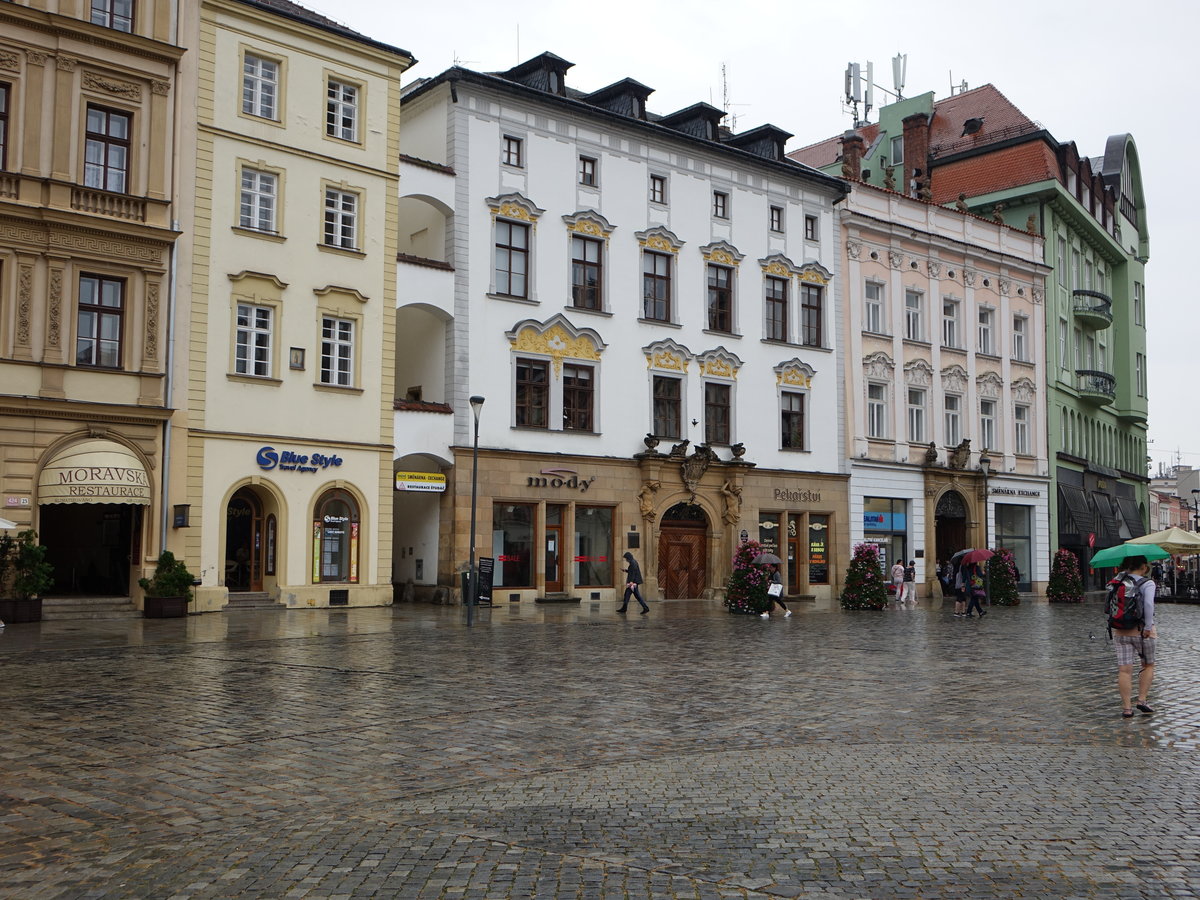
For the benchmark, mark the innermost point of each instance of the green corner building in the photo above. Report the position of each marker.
(977, 152)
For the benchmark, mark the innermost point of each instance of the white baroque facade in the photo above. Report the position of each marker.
(647, 305)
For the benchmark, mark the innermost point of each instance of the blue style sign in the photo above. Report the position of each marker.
(269, 458)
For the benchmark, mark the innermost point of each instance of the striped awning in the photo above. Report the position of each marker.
(95, 471)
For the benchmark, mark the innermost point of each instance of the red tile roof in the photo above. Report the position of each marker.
(998, 170)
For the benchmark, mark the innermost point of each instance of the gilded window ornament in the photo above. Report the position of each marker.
(514, 206)
(558, 339)
(794, 373)
(815, 273)
(668, 356)
(659, 239)
(722, 254)
(719, 363)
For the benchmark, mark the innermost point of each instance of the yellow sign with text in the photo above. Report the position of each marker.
(429, 482)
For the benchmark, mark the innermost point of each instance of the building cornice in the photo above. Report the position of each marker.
(58, 26)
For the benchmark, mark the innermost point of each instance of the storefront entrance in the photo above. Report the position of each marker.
(683, 552)
(92, 546)
(555, 513)
(244, 542)
(951, 525)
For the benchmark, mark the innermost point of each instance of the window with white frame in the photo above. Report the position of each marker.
(656, 285)
(1021, 442)
(916, 415)
(511, 151)
(791, 416)
(1087, 274)
(587, 272)
(1079, 348)
(876, 410)
(260, 87)
(512, 258)
(1138, 312)
(812, 315)
(337, 351)
(667, 407)
(341, 219)
(1140, 374)
(1101, 278)
(717, 408)
(1062, 261)
(720, 298)
(897, 150)
(252, 344)
(952, 404)
(1076, 270)
(1020, 337)
(107, 149)
(341, 110)
(987, 424)
(259, 200)
(950, 327)
(987, 337)
(1064, 348)
(914, 315)
(114, 14)
(873, 308)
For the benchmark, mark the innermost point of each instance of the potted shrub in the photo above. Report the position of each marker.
(168, 592)
(24, 575)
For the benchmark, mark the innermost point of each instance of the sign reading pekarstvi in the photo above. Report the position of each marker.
(429, 482)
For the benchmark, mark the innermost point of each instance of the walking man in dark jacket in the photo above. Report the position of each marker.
(633, 582)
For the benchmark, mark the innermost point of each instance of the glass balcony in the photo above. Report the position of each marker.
(1092, 308)
(1098, 387)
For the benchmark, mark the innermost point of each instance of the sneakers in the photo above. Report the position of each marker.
(765, 615)
(786, 613)
(982, 613)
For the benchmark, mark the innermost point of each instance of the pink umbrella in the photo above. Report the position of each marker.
(976, 556)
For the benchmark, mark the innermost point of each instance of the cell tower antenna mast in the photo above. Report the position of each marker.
(726, 105)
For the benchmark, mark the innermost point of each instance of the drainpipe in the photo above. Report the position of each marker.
(169, 395)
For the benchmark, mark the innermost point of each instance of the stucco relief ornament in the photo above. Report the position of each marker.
(24, 303)
(895, 258)
(732, 495)
(969, 278)
(56, 280)
(1039, 296)
(9, 61)
(1005, 287)
(954, 379)
(878, 365)
(854, 249)
(918, 373)
(646, 499)
(935, 270)
(693, 468)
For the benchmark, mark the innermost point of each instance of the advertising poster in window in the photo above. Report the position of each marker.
(768, 533)
(316, 573)
(354, 553)
(271, 545)
(818, 550)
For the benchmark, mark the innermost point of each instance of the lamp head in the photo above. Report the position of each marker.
(985, 462)
(476, 405)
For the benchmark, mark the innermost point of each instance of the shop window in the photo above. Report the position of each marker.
(335, 538)
(1014, 531)
(512, 544)
(769, 532)
(593, 546)
(818, 549)
(885, 523)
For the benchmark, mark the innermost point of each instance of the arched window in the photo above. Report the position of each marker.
(335, 538)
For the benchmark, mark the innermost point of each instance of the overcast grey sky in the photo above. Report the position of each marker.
(1085, 71)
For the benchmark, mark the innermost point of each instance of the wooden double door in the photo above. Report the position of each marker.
(682, 560)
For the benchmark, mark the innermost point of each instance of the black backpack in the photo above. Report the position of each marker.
(1124, 602)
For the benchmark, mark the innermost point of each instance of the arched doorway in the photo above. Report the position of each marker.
(336, 538)
(951, 515)
(244, 542)
(683, 552)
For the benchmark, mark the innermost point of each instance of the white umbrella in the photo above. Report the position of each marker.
(1174, 540)
(5, 524)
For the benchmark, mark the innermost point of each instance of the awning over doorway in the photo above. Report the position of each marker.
(95, 471)
(1077, 505)
(1132, 516)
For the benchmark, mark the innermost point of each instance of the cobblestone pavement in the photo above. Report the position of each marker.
(574, 752)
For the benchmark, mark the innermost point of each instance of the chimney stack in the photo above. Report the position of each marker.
(916, 155)
(852, 155)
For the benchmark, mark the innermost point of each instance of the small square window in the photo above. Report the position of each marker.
(776, 219)
(658, 189)
(587, 171)
(512, 154)
(720, 206)
(810, 228)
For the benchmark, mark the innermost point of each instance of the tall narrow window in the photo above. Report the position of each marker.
(873, 308)
(1140, 374)
(1076, 270)
(720, 298)
(114, 14)
(512, 151)
(252, 346)
(656, 286)
(810, 228)
(260, 87)
(720, 205)
(341, 110)
(950, 323)
(775, 219)
(586, 272)
(512, 258)
(587, 171)
(914, 315)
(341, 219)
(532, 393)
(658, 189)
(877, 410)
(987, 424)
(987, 339)
(716, 412)
(4, 92)
(897, 149)
(668, 403)
(1021, 429)
(777, 308)
(812, 302)
(106, 152)
(1061, 263)
(1138, 312)
(258, 200)
(98, 332)
(1064, 349)
(792, 421)
(1020, 333)
(953, 408)
(916, 416)
(578, 397)
(337, 351)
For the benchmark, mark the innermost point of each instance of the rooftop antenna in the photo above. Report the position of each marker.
(725, 104)
(860, 88)
(959, 88)
(899, 68)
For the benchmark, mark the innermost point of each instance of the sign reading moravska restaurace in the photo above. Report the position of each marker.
(108, 482)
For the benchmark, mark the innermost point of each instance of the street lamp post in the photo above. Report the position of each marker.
(473, 577)
(985, 464)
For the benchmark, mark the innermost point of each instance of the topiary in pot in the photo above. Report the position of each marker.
(169, 590)
(28, 575)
